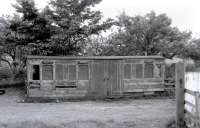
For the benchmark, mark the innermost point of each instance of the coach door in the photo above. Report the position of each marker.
(106, 80)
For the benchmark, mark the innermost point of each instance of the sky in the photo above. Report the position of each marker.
(184, 13)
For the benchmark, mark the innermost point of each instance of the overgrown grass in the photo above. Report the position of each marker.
(72, 124)
(171, 124)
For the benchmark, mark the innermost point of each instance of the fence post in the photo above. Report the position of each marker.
(197, 109)
(180, 94)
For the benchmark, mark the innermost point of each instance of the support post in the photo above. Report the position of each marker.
(197, 109)
(180, 94)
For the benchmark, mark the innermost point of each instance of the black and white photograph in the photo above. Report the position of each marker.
(99, 64)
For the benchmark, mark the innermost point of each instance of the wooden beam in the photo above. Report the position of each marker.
(190, 92)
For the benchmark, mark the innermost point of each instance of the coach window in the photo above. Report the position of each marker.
(158, 70)
(148, 70)
(35, 72)
(139, 70)
(72, 72)
(83, 72)
(47, 72)
(59, 71)
(127, 71)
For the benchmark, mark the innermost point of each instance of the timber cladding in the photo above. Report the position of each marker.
(93, 77)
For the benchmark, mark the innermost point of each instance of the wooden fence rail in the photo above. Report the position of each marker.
(191, 119)
(186, 118)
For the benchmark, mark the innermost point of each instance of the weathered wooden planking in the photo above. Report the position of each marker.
(106, 75)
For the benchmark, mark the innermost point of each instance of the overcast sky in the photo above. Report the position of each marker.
(184, 13)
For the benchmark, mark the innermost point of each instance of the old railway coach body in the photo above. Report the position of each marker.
(93, 77)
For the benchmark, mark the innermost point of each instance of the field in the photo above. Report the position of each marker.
(128, 113)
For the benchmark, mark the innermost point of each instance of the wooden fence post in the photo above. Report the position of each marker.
(180, 94)
(197, 109)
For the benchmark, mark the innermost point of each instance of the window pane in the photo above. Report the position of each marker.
(59, 72)
(134, 71)
(66, 72)
(72, 72)
(83, 73)
(139, 71)
(47, 72)
(36, 72)
(148, 70)
(127, 71)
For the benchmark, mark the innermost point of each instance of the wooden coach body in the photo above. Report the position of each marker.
(93, 77)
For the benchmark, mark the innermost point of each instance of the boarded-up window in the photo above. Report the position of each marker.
(83, 73)
(47, 72)
(127, 71)
(72, 72)
(35, 72)
(148, 70)
(59, 72)
(139, 71)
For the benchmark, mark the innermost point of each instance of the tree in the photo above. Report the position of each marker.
(146, 35)
(192, 49)
(75, 21)
(27, 32)
(61, 28)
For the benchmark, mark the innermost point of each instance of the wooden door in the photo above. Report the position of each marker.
(106, 80)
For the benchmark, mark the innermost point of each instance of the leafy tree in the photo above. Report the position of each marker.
(146, 35)
(95, 45)
(27, 32)
(62, 28)
(75, 21)
(192, 49)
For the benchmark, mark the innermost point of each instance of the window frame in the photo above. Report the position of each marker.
(153, 70)
(162, 70)
(73, 64)
(63, 68)
(31, 72)
(133, 76)
(85, 64)
(138, 78)
(53, 71)
(130, 64)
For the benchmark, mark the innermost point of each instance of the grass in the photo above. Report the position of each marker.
(171, 124)
(78, 124)
(73, 124)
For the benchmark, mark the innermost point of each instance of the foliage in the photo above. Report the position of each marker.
(96, 45)
(75, 21)
(147, 35)
(192, 49)
(25, 33)
(59, 29)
